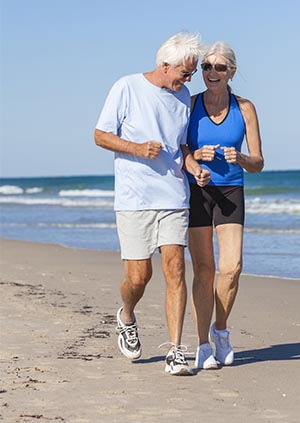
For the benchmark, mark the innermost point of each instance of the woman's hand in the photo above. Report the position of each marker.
(202, 176)
(206, 153)
(231, 154)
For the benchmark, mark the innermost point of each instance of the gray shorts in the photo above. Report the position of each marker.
(141, 232)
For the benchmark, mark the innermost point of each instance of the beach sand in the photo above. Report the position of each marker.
(60, 361)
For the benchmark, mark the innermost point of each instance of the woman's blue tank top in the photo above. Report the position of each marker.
(229, 133)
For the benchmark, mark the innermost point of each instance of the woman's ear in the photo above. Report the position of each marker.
(232, 73)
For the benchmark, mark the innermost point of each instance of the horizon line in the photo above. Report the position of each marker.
(112, 174)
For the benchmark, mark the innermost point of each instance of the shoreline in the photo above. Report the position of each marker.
(187, 259)
(60, 360)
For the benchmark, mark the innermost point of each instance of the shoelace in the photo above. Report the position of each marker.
(224, 341)
(181, 349)
(131, 333)
(179, 357)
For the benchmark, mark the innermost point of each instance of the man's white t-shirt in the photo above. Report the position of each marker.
(138, 111)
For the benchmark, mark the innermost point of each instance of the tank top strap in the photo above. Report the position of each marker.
(195, 102)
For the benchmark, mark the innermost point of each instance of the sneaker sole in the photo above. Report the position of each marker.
(226, 362)
(183, 371)
(212, 366)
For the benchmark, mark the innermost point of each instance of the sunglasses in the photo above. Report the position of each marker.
(188, 74)
(218, 67)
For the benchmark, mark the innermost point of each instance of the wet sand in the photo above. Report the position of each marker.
(60, 361)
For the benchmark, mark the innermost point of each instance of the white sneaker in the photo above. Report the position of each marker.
(205, 358)
(224, 352)
(128, 339)
(176, 363)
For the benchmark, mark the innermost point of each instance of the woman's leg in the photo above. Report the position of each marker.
(201, 249)
(230, 241)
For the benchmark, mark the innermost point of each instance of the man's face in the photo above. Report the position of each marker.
(177, 76)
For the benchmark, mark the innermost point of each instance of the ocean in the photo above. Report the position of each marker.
(77, 211)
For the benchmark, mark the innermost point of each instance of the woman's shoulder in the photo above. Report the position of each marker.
(194, 98)
(244, 104)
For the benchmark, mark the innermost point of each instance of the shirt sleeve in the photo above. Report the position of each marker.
(187, 102)
(184, 136)
(114, 109)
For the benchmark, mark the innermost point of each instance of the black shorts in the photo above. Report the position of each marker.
(216, 205)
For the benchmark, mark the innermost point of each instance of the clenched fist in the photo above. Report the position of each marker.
(202, 176)
(149, 149)
(206, 153)
(231, 154)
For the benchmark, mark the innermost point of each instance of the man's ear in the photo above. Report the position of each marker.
(165, 66)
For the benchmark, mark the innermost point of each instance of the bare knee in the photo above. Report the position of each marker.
(204, 272)
(231, 273)
(138, 274)
(138, 281)
(174, 268)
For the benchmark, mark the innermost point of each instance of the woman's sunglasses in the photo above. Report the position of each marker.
(218, 67)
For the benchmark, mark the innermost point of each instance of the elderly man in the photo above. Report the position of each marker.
(144, 121)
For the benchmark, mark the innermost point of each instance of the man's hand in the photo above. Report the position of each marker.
(148, 150)
(202, 176)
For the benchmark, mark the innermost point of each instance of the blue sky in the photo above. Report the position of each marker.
(59, 59)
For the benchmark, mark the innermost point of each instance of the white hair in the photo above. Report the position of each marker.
(179, 49)
(220, 47)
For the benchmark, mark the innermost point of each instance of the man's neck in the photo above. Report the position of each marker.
(155, 77)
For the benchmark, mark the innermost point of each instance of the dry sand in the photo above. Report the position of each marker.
(60, 361)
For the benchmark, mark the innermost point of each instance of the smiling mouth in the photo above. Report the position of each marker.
(213, 80)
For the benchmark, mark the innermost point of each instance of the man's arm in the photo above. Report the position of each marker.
(110, 141)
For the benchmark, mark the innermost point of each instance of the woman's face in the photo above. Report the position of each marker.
(216, 72)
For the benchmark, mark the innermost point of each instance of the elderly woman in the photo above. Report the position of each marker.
(219, 123)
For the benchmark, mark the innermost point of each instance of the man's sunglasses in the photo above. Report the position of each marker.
(218, 67)
(188, 74)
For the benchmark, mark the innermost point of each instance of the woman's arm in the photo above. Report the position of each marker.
(201, 175)
(254, 161)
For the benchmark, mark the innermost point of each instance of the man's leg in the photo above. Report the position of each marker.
(176, 295)
(137, 274)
